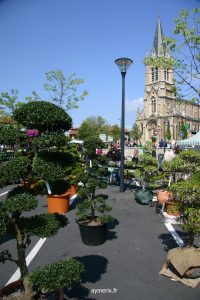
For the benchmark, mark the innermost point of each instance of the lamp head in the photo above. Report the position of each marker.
(123, 63)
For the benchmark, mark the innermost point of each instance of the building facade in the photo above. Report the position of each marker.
(163, 112)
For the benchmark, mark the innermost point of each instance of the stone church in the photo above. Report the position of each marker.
(162, 109)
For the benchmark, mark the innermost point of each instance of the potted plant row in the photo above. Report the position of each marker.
(50, 121)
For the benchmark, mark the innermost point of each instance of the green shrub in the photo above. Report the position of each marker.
(63, 273)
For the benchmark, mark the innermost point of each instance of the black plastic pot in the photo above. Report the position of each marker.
(92, 235)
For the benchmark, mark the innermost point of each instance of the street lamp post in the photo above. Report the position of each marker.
(123, 64)
(164, 137)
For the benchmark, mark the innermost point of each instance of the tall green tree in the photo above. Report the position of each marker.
(184, 130)
(115, 132)
(168, 134)
(136, 133)
(92, 126)
(64, 90)
(9, 101)
(186, 52)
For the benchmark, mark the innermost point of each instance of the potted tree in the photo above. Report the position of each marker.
(46, 118)
(180, 169)
(186, 191)
(93, 213)
(145, 170)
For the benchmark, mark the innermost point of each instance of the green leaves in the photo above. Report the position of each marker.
(63, 90)
(47, 140)
(63, 273)
(136, 133)
(51, 165)
(185, 47)
(9, 100)
(187, 192)
(160, 62)
(19, 200)
(42, 115)
(13, 170)
(10, 135)
(45, 225)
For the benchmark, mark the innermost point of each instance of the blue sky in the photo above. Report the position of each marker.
(85, 37)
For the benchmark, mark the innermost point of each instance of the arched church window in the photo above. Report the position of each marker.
(152, 74)
(153, 105)
(156, 73)
(166, 75)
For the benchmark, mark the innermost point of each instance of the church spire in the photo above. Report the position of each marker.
(159, 47)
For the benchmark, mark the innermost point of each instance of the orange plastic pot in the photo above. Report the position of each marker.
(163, 196)
(59, 203)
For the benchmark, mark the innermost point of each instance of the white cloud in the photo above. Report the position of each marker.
(133, 105)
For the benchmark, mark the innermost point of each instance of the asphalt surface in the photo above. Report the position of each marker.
(126, 266)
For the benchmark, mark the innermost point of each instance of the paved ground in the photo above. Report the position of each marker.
(126, 266)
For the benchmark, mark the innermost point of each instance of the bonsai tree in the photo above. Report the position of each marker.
(182, 166)
(42, 120)
(53, 277)
(145, 170)
(187, 198)
(186, 190)
(94, 209)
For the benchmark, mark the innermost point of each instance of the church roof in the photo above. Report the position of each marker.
(158, 43)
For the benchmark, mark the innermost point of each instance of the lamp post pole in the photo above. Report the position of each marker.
(123, 64)
(122, 138)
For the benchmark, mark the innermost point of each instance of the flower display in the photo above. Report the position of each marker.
(32, 132)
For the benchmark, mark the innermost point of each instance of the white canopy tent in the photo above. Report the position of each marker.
(193, 140)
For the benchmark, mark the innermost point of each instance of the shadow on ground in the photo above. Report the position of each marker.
(95, 266)
(169, 242)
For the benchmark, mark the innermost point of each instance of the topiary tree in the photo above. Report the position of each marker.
(168, 134)
(51, 277)
(45, 122)
(146, 169)
(184, 130)
(185, 170)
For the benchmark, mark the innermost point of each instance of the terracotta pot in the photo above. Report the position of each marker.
(163, 196)
(59, 203)
(11, 288)
(171, 209)
(73, 189)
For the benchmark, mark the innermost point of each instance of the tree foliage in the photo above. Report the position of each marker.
(186, 51)
(63, 90)
(136, 133)
(9, 101)
(42, 115)
(115, 132)
(91, 127)
(168, 134)
(184, 130)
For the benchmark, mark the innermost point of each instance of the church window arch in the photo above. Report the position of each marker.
(156, 73)
(166, 74)
(152, 74)
(153, 105)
